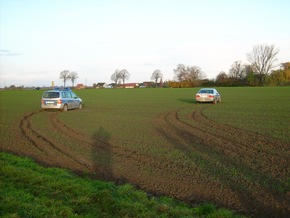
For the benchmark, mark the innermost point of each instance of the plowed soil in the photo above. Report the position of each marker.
(227, 166)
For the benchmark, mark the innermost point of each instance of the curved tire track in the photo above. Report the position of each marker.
(157, 180)
(55, 153)
(235, 156)
(127, 155)
(247, 146)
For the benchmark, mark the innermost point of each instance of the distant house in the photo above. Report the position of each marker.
(130, 85)
(80, 86)
(148, 84)
(101, 85)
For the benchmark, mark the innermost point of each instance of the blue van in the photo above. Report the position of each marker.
(61, 99)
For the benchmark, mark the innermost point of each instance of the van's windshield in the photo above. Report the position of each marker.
(51, 95)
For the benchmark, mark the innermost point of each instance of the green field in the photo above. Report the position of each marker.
(263, 110)
(162, 142)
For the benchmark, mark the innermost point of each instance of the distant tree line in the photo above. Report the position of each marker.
(261, 70)
(246, 75)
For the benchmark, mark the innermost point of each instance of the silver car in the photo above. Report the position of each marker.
(208, 95)
(61, 99)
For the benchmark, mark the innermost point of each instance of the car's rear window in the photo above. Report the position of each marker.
(209, 91)
(51, 95)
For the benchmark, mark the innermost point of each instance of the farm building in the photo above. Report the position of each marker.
(80, 86)
(101, 85)
(130, 85)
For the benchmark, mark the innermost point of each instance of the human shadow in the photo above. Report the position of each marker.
(102, 154)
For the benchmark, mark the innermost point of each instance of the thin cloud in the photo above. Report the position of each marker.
(4, 52)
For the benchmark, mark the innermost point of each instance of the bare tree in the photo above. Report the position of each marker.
(237, 71)
(157, 75)
(263, 58)
(116, 76)
(73, 76)
(180, 72)
(64, 75)
(193, 74)
(124, 75)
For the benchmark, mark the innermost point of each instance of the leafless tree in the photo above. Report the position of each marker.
(73, 76)
(193, 74)
(64, 75)
(180, 72)
(116, 76)
(157, 75)
(237, 71)
(262, 59)
(124, 75)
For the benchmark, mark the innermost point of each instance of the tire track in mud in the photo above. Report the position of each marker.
(53, 152)
(245, 145)
(223, 148)
(25, 130)
(237, 134)
(157, 181)
(131, 157)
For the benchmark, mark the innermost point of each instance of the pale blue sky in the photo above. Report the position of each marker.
(41, 38)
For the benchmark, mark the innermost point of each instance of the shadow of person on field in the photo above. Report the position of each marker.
(101, 154)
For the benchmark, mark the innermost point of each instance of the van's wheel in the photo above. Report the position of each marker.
(64, 109)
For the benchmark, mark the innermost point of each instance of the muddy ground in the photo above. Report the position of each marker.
(229, 167)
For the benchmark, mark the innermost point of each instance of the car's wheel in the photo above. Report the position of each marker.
(214, 101)
(64, 108)
(80, 106)
(220, 100)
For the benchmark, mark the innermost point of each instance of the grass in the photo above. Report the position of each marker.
(30, 190)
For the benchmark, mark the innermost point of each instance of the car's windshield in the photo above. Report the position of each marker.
(51, 95)
(208, 91)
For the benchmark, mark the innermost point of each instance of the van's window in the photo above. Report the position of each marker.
(68, 94)
(51, 95)
(65, 95)
(73, 95)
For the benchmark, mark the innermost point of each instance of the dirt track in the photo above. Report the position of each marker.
(230, 167)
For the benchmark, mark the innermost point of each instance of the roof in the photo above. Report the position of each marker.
(78, 86)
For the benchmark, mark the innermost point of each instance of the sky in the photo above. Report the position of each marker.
(41, 38)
